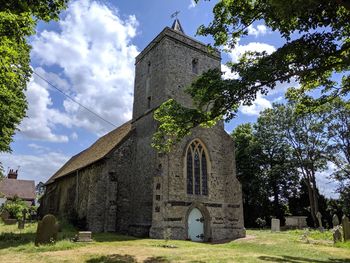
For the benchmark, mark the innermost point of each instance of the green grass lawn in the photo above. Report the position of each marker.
(259, 246)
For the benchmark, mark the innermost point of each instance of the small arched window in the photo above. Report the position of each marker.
(196, 169)
(195, 66)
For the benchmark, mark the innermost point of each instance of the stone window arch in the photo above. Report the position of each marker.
(197, 168)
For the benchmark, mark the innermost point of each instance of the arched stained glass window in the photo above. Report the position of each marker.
(197, 170)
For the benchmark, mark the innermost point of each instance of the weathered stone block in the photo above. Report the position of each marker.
(296, 222)
(84, 236)
(275, 225)
(47, 230)
(346, 228)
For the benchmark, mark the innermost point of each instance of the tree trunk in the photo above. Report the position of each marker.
(311, 200)
(276, 201)
(315, 196)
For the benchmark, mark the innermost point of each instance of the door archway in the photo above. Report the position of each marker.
(195, 223)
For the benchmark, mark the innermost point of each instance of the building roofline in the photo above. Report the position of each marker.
(176, 35)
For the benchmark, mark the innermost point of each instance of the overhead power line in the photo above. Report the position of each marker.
(72, 99)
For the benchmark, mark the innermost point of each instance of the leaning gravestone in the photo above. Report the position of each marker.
(335, 220)
(47, 230)
(275, 225)
(346, 228)
(319, 218)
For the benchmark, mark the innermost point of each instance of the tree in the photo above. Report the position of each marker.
(306, 134)
(338, 128)
(276, 159)
(249, 172)
(18, 20)
(320, 48)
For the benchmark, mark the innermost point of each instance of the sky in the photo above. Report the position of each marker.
(89, 55)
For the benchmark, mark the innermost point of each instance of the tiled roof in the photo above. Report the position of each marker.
(95, 152)
(24, 189)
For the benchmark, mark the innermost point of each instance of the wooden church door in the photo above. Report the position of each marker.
(196, 225)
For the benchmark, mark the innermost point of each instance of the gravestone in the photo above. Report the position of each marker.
(275, 225)
(5, 215)
(84, 236)
(296, 222)
(47, 230)
(337, 234)
(346, 228)
(319, 218)
(21, 224)
(335, 220)
(24, 214)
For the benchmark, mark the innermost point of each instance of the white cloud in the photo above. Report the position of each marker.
(259, 104)
(239, 50)
(93, 48)
(38, 148)
(39, 167)
(227, 72)
(42, 117)
(326, 185)
(74, 136)
(192, 4)
(281, 88)
(259, 30)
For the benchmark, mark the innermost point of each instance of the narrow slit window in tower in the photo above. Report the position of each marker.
(149, 99)
(195, 66)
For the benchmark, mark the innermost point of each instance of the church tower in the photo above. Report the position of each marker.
(192, 192)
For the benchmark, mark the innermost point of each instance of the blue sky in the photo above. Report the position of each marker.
(89, 54)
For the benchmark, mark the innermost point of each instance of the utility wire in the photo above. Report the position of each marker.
(72, 99)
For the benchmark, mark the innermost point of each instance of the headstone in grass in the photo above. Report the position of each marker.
(84, 236)
(335, 220)
(5, 215)
(319, 218)
(275, 225)
(21, 224)
(337, 234)
(47, 230)
(346, 228)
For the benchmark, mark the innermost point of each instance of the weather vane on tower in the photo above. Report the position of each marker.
(175, 14)
(176, 25)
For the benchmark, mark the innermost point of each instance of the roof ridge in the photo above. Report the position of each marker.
(96, 151)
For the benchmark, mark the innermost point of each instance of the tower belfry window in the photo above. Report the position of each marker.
(196, 169)
(195, 66)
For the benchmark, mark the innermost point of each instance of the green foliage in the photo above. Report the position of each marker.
(176, 122)
(255, 190)
(345, 199)
(15, 208)
(277, 162)
(17, 22)
(260, 222)
(338, 128)
(320, 49)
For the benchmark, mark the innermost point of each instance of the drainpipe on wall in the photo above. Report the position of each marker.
(77, 191)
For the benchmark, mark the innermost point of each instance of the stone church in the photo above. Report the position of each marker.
(121, 184)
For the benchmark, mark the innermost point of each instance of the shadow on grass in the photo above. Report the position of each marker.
(111, 237)
(289, 259)
(11, 239)
(15, 239)
(116, 258)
